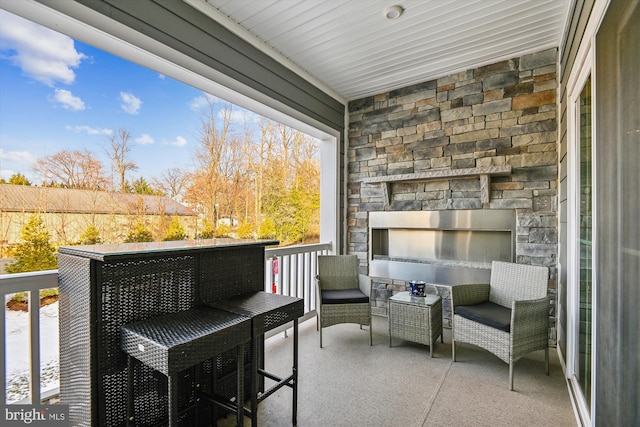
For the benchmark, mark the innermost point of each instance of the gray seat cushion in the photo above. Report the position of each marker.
(344, 296)
(487, 313)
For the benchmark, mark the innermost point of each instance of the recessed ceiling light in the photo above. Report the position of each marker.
(393, 12)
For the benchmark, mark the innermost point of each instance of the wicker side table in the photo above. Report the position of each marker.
(416, 319)
(174, 342)
(267, 311)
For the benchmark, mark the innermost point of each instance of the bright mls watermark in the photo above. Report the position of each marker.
(41, 416)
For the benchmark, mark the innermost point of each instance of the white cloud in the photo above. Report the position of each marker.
(203, 101)
(239, 116)
(6, 174)
(69, 101)
(179, 142)
(162, 76)
(89, 130)
(17, 156)
(144, 139)
(43, 54)
(130, 103)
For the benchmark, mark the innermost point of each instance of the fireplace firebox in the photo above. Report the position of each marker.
(440, 247)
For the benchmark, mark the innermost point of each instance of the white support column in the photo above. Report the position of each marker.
(329, 191)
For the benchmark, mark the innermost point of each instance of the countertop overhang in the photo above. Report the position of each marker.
(103, 252)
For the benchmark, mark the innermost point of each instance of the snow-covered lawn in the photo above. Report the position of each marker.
(18, 355)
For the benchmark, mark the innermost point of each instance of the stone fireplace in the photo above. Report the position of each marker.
(482, 140)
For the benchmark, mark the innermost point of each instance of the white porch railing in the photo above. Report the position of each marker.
(32, 283)
(296, 272)
(297, 267)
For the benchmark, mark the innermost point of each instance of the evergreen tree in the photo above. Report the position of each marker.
(19, 179)
(141, 186)
(267, 229)
(16, 179)
(306, 204)
(139, 234)
(206, 231)
(223, 230)
(91, 236)
(176, 231)
(35, 252)
(245, 230)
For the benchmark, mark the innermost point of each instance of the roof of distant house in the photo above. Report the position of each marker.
(23, 198)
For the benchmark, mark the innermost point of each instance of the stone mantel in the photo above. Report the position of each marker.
(484, 173)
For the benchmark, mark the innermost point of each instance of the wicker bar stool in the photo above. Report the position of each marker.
(174, 342)
(267, 311)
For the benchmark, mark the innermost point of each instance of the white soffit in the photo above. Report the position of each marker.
(349, 48)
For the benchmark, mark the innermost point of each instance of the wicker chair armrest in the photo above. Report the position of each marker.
(319, 283)
(364, 283)
(530, 316)
(318, 291)
(469, 294)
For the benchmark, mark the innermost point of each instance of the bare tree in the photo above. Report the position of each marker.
(117, 152)
(172, 182)
(307, 163)
(236, 175)
(257, 155)
(288, 142)
(212, 158)
(273, 177)
(72, 169)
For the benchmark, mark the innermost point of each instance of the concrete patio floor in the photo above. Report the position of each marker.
(349, 383)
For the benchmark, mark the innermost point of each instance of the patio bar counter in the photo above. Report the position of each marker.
(104, 287)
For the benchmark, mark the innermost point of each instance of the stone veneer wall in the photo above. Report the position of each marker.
(499, 114)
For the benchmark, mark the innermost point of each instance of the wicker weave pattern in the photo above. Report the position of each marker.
(225, 365)
(522, 288)
(137, 290)
(227, 273)
(267, 311)
(75, 361)
(531, 282)
(174, 342)
(333, 314)
(150, 394)
(469, 294)
(340, 272)
(416, 322)
(529, 326)
(491, 339)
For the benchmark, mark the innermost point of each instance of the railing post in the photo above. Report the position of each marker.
(3, 357)
(34, 346)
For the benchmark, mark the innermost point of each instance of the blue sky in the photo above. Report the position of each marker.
(60, 94)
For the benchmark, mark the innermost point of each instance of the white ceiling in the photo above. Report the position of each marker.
(349, 49)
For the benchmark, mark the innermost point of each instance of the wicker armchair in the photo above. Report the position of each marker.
(339, 295)
(508, 317)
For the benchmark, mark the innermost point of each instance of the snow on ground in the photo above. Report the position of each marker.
(18, 356)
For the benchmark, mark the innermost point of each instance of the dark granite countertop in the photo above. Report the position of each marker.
(112, 251)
